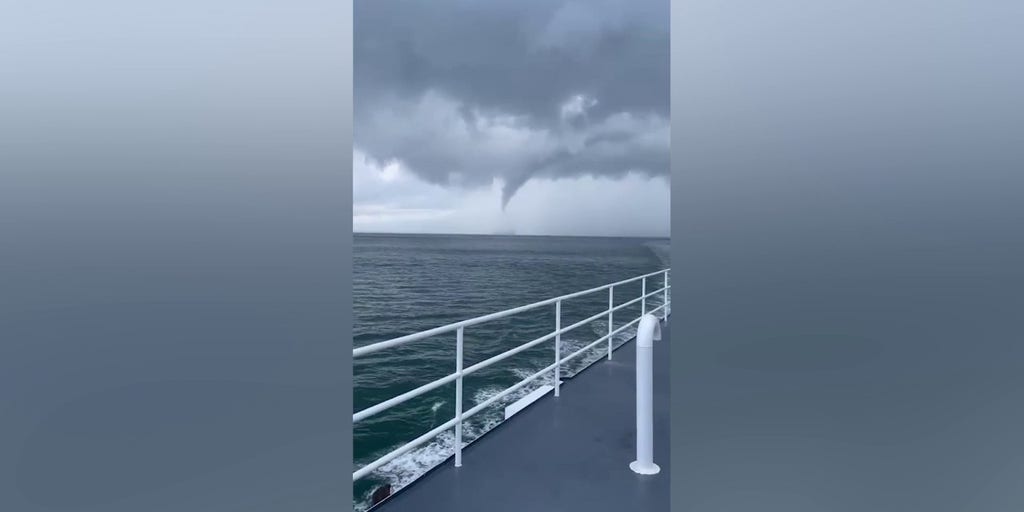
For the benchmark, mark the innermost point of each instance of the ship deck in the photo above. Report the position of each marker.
(560, 454)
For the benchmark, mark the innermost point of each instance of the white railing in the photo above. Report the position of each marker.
(461, 372)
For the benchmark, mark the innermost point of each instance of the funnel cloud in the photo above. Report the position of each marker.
(478, 96)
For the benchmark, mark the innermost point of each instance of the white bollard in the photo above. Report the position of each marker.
(648, 331)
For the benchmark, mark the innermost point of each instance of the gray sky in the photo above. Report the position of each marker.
(534, 117)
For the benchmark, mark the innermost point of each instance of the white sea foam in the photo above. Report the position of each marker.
(406, 468)
(433, 411)
(570, 346)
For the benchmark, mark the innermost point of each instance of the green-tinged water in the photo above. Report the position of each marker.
(408, 283)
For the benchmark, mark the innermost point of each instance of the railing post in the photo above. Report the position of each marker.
(664, 298)
(643, 296)
(648, 331)
(611, 305)
(458, 398)
(558, 346)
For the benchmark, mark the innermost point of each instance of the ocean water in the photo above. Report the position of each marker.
(408, 283)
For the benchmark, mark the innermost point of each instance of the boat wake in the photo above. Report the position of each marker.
(406, 468)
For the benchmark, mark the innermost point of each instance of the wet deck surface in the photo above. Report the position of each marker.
(560, 455)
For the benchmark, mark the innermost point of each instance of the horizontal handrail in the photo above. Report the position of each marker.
(401, 340)
(508, 353)
(483, 405)
(462, 372)
(404, 397)
(387, 404)
(638, 299)
(599, 340)
(583, 322)
(397, 452)
(579, 352)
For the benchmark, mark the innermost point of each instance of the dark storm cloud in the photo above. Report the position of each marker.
(462, 92)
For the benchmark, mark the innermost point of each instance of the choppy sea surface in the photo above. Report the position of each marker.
(408, 283)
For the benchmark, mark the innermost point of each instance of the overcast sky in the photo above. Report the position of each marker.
(524, 116)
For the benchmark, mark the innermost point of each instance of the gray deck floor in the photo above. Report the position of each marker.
(560, 455)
